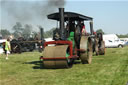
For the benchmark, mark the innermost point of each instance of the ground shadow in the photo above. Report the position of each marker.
(77, 62)
(38, 64)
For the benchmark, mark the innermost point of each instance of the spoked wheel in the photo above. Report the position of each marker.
(86, 45)
(15, 48)
(102, 48)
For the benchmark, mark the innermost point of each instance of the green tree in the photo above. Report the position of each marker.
(49, 33)
(123, 36)
(100, 31)
(17, 29)
(27, 31)
(5, 33)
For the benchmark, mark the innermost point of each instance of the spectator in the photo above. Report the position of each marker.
(83, 28)
(7, 47)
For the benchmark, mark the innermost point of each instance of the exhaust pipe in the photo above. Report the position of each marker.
(41, 45)
(42, 33)
(91, 28)
(61, 15)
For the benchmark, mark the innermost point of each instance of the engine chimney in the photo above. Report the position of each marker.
(42, 33)
(61, 15)
(91, 28)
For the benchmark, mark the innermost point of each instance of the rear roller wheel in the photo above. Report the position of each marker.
(86, 45)
(102, 48)
(96, 47)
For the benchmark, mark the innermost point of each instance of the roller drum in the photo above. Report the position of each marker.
(55, 52)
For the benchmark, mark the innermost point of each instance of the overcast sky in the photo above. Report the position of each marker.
(110, 16)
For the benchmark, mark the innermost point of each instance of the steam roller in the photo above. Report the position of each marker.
(70, 42)
(64, 53)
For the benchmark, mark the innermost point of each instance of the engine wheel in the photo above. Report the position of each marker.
(16, 48)
(86, 45)
(102, 48)
(96, 47)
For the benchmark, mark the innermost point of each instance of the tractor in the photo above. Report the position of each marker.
(27, 45)
(71, 42)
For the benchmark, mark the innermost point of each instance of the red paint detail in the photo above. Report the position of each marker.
(74, 56)
(54, 58)
(81, 50)
(94, 33)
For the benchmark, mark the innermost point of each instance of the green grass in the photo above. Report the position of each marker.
(24, 69)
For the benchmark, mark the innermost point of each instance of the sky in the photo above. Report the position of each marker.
(109, 15)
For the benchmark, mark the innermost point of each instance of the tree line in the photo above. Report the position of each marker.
(26, 31)
(18, 31)
(119, 35)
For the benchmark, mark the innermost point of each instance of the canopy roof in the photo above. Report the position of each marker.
(69, 15)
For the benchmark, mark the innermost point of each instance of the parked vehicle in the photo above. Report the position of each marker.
(111, 40)
(126, 44)
(114, 43)
(2, 40)
(1, 48)
(1, 45)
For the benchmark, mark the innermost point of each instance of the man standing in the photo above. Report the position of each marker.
(7, 47)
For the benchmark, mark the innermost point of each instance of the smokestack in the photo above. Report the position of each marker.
(61, 15)
(42, 33)
(91, 28)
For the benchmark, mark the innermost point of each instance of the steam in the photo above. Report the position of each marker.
(53, 4)
(28, 11)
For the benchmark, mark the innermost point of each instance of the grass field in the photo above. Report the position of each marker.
(25, 69)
